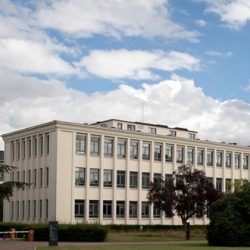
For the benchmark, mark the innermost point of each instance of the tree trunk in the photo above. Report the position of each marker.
(187, 230)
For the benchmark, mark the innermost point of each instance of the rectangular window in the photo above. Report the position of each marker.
(121, 178)
(29, 147)
(40, 209)
(107, 178)
(79, 176)
(80, 143)
(152, 130)
(237, 160)
(23, 176)
(172, 133)
(108, 146)
(95, 145)
(219, 184)
(34, 177)
(29, 177)
(210, 157)
(23, 148)
(46, 208)
(219, 156)
(191, 136)
(121, 148)
(23, 209)
(133, 179)
(18, 149)
(120, 209)
(41, 177)
(200, 156)
(17, 210)
(47, 176)
(119, 125)
(245, 161)
(146, 151)
(41, 145)
(18, 176)
(35, 146)
(157, 177)
(157, 151)
(169, 152)
(228, 159)
(156, 212)
(47, 143)
(228, 185)
(12, 150)
(168, 178)
(34, 209)
(145, 209)
(28, 209)
(79, 208)
(131, 127)
(107, 209)
(179, 154)
(190, 155)
(145, 180)
(134, 149)
(93, 208)
(133, 209)
(94, 177)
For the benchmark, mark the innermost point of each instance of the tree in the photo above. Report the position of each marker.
(7, 188)
(186, 193)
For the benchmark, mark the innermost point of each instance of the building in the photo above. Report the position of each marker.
(101, 172)
(1, 161)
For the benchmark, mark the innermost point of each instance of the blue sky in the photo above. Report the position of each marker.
(88, 60)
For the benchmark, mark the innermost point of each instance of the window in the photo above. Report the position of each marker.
(145, 180)
(169, 153)
(40, 209)
(18, 176)
(29, 147)
(29, 177)
(191, 136)
(134, 149)
(146, 151)
(219, 184)
(28, 209)
(157, 151)
(120, 209)
(95, 145)
(107, 209)
(46, 208)
(93, 209)
(121, 148)
(41, 177)
(120, 178)
(47, 176)
(145, 209)
(34, 177)
(179, 154)
(23, 209)
(209, 180)
(18, 149)
(94, 177)
(228, 185)
(219, 155)
(133, 209)
(245, 161)
(23, 148)
(131, 127)
(156, 212)
(152, 130)
(228, 159)
(168, 178)
(210, 157)
(107, 178)
(79, 176)
(47, 143)
(23, 176)
(157, 177)
(80, 143)
(41, 144)
(12, 210)
(12, 150)
(17, 210)
(34, 209)
(79, 208)
(119, 125)
(237, 160)
(190, 155)
(108, 146)
(133, 179)
(35, 146)
(172, 133)
(200, 156)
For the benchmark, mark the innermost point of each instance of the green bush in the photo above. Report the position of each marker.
(230, 220)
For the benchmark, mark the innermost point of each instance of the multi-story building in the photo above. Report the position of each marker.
(1, 161)
(101, 172)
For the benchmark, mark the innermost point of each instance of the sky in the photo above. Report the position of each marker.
(187, 63)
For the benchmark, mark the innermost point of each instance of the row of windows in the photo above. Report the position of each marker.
(36, 209)
(36, 177)
(120, 209)
(158, 154)
(30, 147)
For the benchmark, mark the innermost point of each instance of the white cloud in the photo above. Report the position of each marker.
(147, 18)
(135, 64)
(175, 102)
(234, 13)
(201, 22)
(214, 53)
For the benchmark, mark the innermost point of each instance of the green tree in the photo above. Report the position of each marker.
(187, 193)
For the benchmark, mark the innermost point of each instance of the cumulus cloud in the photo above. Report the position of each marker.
(136, 64)
(175, 102)
(147, 18)
(201, 22)
(233, 13)
(214, 53)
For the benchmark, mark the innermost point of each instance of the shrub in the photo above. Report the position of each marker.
(230, 220)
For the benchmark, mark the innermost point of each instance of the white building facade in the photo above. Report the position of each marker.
(101, 172)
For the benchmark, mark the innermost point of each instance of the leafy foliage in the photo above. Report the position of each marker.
(187, 193)
(7, 188)
(230, 219)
